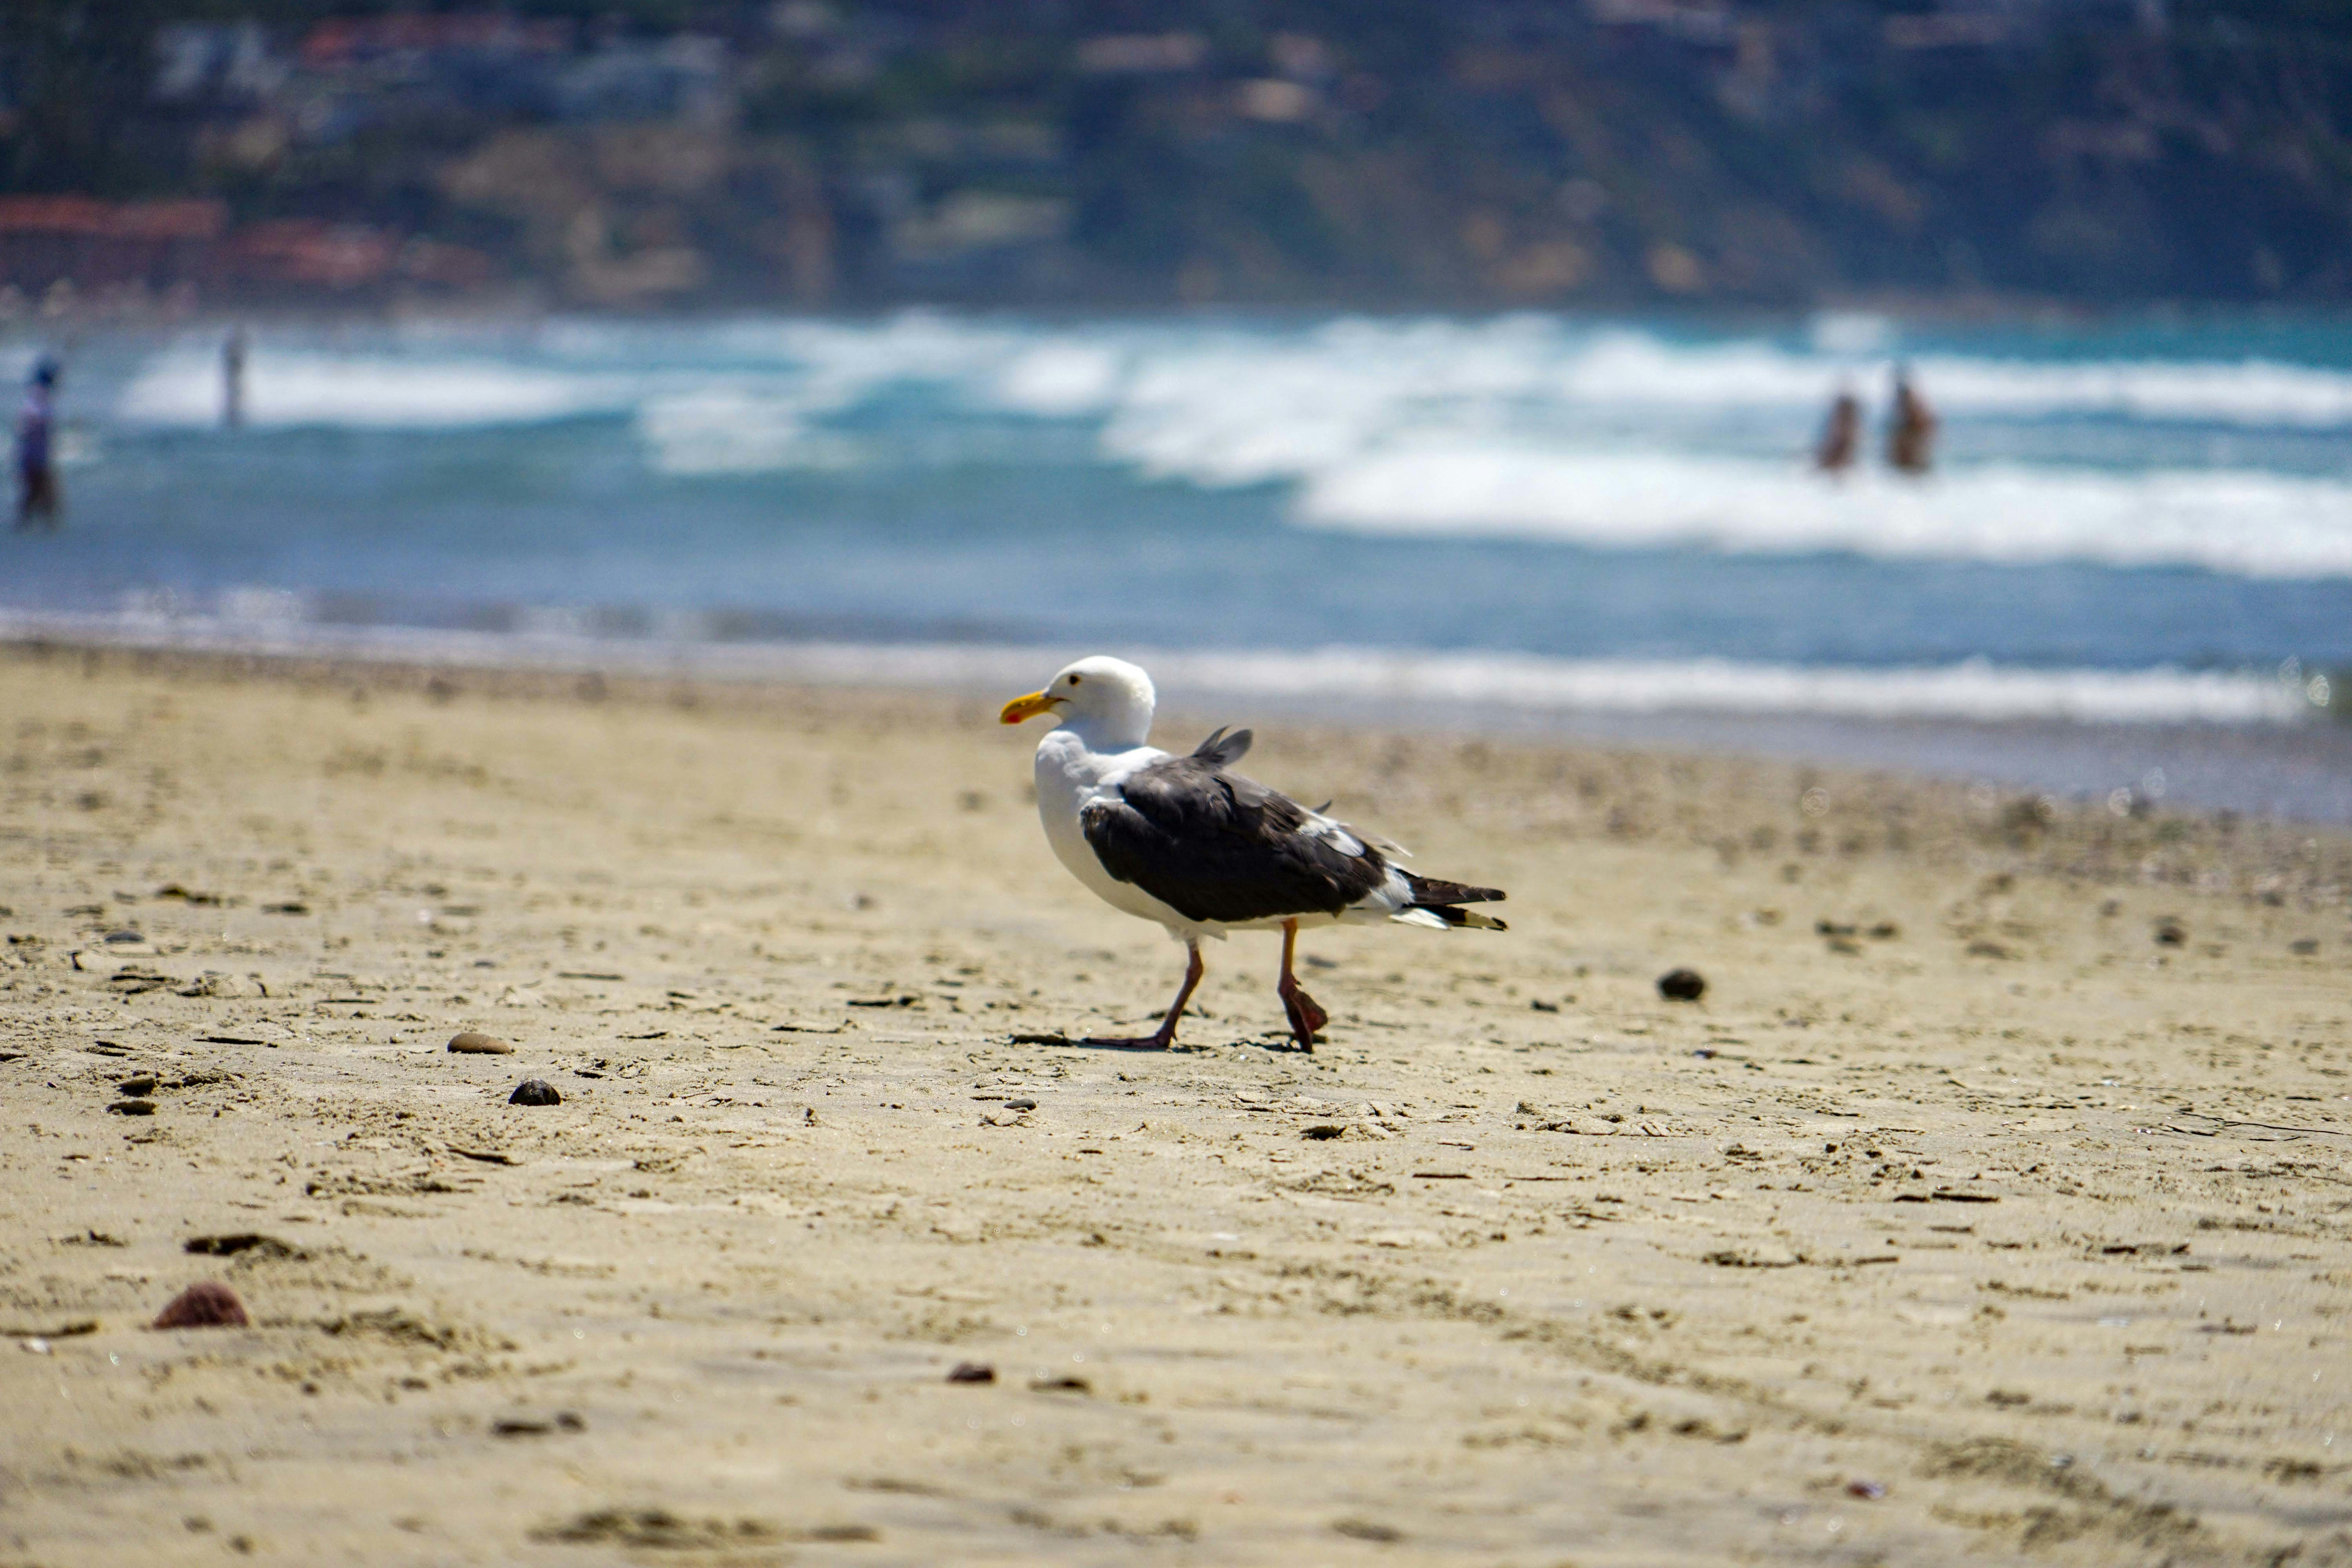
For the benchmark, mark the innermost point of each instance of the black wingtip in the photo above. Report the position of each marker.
(1437, 890)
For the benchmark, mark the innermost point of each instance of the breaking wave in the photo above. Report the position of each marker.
(2247, 522)
(1533, 427)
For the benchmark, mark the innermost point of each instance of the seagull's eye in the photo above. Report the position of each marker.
(1075, 679)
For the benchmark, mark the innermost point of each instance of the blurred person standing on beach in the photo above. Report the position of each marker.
(1911, 438)
(233, 380)
(36, 476)
(1842, 435)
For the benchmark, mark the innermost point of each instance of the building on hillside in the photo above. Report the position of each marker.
(93, 245)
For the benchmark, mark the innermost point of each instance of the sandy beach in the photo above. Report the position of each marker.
(1992, 1205)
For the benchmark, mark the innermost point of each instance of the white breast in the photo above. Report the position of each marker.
(1068, 777)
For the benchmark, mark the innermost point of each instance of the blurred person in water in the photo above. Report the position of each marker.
(1842, 435)
(36, 474)
(233, 379)
(1911, 437)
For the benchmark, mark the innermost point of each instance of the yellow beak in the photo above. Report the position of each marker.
(1028, 707)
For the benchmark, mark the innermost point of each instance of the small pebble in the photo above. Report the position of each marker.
(972, 1371)
(208, 1304)
(474, 1043)
(1870, 1489)
(143, 1085)
(534, 1092)
(1020, 1105)
(1681, 986)
(133, 1108)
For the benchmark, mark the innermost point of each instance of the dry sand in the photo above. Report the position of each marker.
(1984, 1226)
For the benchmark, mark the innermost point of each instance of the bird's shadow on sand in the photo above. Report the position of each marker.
(1281, 1045)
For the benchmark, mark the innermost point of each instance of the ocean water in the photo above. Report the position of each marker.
(2136, 532)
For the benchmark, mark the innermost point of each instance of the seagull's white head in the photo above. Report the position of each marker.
(1107, 700)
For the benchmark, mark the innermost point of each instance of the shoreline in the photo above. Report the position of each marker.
(2129, 739)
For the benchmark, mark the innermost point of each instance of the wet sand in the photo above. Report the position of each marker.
(1991, 1204)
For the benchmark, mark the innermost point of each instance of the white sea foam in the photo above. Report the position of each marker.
(737, 430)
(287, 388)
(1060, 379)
(2246, 522)
(1627, 366)
(1852, 333)
(1974, 691)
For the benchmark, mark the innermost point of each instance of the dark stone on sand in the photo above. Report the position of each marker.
(135, 1086)
(658, 1530)
(474, 1043)
(209, 1304)
(2170, 932)
(1681, 986)
(535, 1426)
(133, 1108)
(1020, 1105)
(260, 1246)
(534, 1092)
(1061, 1386)
(972, 1371)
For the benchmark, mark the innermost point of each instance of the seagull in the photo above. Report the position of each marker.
(1206, 852)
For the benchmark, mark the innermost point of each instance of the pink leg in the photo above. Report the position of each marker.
(1166, 1036)
(1306, 1017)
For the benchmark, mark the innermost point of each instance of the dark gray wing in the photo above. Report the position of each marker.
(1223, 750)
(1214, 846)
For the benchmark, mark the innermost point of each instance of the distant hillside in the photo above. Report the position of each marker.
(1389, 152)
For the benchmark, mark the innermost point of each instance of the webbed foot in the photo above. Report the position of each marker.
(1307, 1019)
